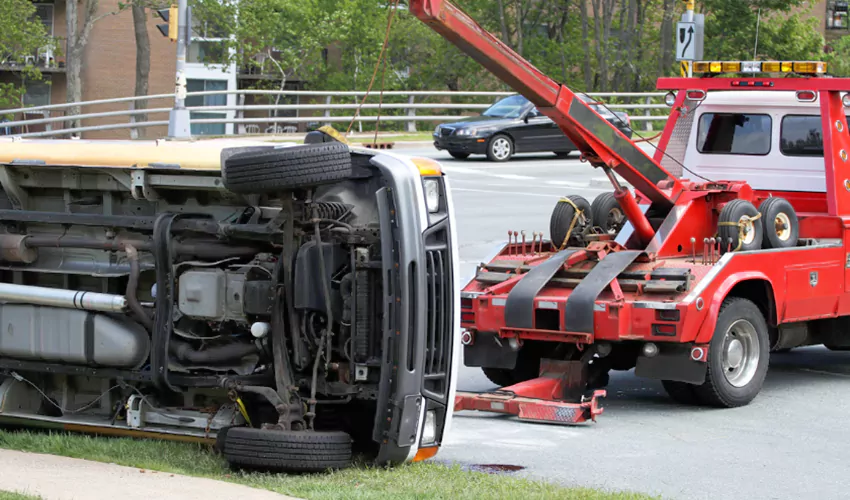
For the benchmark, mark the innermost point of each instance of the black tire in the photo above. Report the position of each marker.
(284, 451)
(681, 392)
(717, 390)
(288, 168)
(527, 367)
(779, 222)
(607, 213)
(499, 376)
(562, 218)
(459, 155)
(494, 148)
(731, 215)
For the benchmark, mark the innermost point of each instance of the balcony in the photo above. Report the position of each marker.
(45, 60)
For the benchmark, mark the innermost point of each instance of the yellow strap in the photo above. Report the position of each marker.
(741, 223)
(334, 134)
(243, 411)
(572, 224)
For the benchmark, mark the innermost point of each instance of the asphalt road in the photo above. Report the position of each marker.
(790, 443)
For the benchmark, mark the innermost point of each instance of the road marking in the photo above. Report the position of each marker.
(823, 372)
(520, 193)
(513, 177)
(567, 184)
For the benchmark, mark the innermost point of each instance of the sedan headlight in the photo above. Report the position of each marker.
(432, 194)
(475, 131)
(429, 430)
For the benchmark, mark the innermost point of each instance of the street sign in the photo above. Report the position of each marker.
(689, 39)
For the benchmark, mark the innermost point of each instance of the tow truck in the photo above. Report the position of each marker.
(693, 279)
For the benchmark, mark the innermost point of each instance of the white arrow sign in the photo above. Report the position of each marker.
(685, 46)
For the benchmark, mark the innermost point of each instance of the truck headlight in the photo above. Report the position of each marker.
(432, 194)
(429, 430)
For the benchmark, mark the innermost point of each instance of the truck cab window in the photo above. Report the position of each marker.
(734, 133)
(801, 135)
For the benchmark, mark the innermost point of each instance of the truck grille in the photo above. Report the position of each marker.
(440, 312)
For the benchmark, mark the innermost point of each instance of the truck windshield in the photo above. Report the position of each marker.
(509, 107)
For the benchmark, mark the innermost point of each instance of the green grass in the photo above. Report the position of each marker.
(413, 481)
(11, 495)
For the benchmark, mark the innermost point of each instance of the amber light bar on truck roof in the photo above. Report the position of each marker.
(799, 67)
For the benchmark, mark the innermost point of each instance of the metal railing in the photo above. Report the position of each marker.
(643, 107)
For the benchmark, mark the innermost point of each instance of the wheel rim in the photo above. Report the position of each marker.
(748, 228)
(501, 148)
(782, 226)
(614, 219)
(740, 355)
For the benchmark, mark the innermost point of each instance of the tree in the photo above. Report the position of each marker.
(78, 34)
(143, 60)
(21, 35)
(730, 30)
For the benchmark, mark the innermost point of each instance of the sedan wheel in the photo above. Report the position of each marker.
(500, 149)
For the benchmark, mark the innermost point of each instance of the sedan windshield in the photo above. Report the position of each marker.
(509, 107)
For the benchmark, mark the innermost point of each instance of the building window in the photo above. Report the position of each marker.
(734, 133)
(37, 94)
(44, 11)
(204, 51)
(836, 14)
(206, 100)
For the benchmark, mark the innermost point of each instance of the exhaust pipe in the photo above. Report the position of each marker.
(71, 299)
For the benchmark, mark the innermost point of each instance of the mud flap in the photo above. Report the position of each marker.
(519, 307)
(578, 312)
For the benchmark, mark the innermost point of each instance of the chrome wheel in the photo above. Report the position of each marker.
(782, 226)
(501, 148)
(740, 353)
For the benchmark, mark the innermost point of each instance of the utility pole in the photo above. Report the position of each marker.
(178, 118)
(689, 17)
(689, 39)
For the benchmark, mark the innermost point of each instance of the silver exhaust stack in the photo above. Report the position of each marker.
(89, 301)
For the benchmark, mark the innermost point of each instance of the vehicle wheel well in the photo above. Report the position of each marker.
(761, 293)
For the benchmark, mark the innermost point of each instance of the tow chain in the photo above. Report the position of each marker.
(572, 224)
(742, 222)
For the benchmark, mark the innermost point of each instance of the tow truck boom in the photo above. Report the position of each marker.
(599, 141)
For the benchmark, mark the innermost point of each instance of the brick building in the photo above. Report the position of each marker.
(109, 72)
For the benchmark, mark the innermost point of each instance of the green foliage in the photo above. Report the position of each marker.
(590, 45)
(21, 35)
(731, 30)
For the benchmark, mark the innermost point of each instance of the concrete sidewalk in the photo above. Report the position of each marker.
(62, 478)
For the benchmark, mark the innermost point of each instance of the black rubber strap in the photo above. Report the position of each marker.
(578, 313)
(519, 308)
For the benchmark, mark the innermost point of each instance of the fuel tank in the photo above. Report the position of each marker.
(71, 336)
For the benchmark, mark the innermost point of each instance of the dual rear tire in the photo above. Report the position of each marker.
(738, 358)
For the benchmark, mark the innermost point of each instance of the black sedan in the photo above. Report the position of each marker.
(514, 125)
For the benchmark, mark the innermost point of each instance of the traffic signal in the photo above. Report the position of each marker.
(168, 15)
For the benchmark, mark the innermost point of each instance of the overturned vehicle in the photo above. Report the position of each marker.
(294, 304)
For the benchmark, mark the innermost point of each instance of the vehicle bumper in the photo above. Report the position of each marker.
(471, 145)
(421, 318)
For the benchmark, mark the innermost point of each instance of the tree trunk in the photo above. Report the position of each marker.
(143, 63)
(73, 65)
(666, 59)
(519, 22)
(503, 22)
(585, 36)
